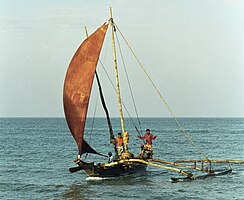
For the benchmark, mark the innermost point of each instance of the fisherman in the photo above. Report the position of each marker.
(119, 143)
(146, 152)
(110, 157)
(141, 155)
(126, 141)
(148, 146)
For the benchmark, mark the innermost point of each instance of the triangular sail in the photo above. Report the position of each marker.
(78, 84)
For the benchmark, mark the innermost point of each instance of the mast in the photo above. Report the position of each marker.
(116, 73)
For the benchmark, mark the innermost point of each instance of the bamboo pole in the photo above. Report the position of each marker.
(211, 161)
(116, 73)
(189, 175)
(176, 164)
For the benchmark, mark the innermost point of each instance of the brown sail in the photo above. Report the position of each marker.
(78, 84)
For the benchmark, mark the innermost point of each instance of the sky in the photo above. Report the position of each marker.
(192, 50)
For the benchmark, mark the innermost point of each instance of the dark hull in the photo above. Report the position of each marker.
(113, 169)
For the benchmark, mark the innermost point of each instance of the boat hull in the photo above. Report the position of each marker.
(113, 169)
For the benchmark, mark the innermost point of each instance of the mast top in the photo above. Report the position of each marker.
(111, 15)
(111, 20)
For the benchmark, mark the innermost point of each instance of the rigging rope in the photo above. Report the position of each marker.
(93, 120)
(112, 139)
(111, 82)
(161, 97)
(127, 77)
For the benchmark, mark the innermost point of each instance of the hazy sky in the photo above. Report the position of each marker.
(192, 49)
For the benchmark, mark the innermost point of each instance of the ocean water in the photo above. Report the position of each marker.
(36, 153)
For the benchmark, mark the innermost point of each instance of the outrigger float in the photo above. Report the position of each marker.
(76, 95)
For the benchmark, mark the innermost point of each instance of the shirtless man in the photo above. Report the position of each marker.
(119, 143)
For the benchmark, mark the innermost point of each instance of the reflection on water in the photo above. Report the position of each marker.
(129, 179)
(90, 190)
(79, 191)
(121, 187)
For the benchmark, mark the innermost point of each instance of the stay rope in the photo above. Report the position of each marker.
(128, 80)
(94, 114)
(111, 82)
(161, 97)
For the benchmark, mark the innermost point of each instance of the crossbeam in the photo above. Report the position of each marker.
(189, 175)
(176, 164)
(211, 161)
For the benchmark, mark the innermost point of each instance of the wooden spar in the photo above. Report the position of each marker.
(116, 73)
(211, 161)
(202, 168)
(176, 164)
(189, 175)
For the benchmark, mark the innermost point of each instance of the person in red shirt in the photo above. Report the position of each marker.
(148, 146)
(148, 136)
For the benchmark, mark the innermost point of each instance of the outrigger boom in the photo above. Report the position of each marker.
(212, 161)
(152, 162)
(189, 175)
(207, 168)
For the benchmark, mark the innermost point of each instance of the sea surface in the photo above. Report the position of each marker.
(36, 153)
